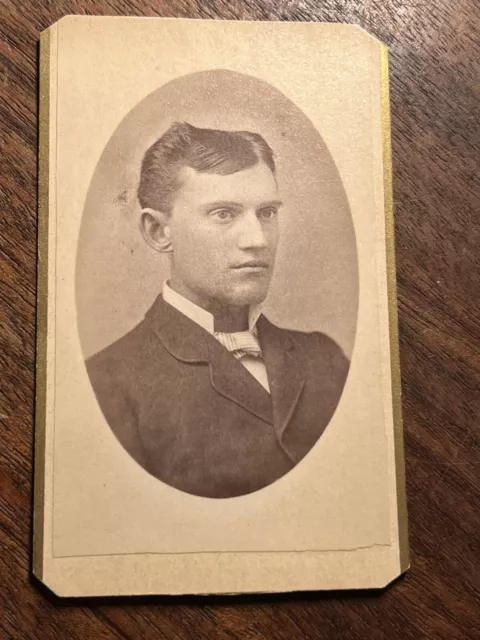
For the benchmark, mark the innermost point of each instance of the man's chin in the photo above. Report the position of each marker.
(247, 296)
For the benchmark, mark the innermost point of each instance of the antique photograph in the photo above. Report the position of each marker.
(223, 376)
(220, 401)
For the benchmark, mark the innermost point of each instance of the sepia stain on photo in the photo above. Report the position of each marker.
(217, 284)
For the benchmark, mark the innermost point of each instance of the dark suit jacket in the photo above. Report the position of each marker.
(195, 418)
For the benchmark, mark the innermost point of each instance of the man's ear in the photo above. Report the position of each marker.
(156, 230)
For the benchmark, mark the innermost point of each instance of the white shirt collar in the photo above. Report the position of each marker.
(202, 317)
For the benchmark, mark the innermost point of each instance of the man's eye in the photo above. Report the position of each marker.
(223, 214)
(267, 213)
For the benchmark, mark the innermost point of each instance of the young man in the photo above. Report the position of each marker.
(205, 393)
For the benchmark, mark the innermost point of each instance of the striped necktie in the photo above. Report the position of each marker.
(240, 343)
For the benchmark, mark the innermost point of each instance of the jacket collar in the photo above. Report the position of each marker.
(188, 342)
(183, 338)
(285, 365)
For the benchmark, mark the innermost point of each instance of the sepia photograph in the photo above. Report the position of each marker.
(217, 284)
(220, 412)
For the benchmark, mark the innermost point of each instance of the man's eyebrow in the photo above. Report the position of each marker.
(271, 203)
(238, 205)
(222, 203)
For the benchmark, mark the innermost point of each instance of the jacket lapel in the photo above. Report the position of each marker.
(182, 338)
(189, 343)
(231, 380)
(284, 370)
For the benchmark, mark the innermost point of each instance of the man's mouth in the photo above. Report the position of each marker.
(253, 264)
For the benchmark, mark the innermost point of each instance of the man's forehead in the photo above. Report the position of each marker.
(255, 183)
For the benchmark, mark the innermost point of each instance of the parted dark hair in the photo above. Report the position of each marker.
(205, 150)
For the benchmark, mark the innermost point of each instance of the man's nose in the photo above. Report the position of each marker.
(251, 233)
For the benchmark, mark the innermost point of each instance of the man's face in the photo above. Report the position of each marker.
(224, 233)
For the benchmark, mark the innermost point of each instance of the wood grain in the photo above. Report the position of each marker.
(434, 65)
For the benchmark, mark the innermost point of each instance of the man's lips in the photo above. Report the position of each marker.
(253, 264)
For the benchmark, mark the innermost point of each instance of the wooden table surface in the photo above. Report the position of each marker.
(435, 95)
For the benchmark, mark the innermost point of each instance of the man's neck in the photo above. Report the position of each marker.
(231, 319)
(226, 319)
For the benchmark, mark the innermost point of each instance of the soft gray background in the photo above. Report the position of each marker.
(315, 285)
